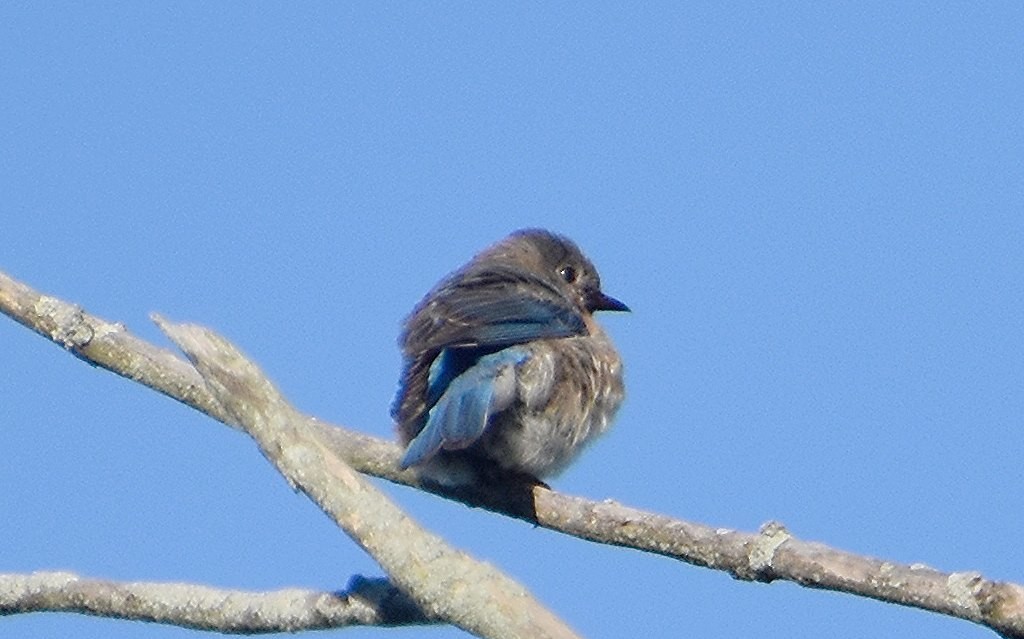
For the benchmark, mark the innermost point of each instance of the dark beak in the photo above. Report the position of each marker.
(598, 301)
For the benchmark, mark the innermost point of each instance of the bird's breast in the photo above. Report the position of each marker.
(568, 392)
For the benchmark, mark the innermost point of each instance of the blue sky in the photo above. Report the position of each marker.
(814, 212)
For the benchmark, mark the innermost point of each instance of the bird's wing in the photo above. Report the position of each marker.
(460, 415)
(520, 319)
(464, 321)
(485, 320)
(479, 324)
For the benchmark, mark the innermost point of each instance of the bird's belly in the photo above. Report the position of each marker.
(568, 397)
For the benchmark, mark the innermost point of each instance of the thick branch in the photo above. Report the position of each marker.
(765, 556)
(367, 602)
(445, 583)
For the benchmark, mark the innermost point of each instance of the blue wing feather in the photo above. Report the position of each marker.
(455, 331)
(479, 320)
(486, 323)
(524, 319)
(461, 413)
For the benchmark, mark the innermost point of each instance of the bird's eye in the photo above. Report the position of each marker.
(568, 274)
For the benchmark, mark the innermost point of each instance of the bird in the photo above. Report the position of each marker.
(505, 369)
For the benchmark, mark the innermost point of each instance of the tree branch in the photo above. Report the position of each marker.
(367, 602)
(770, 554)
(446, 584)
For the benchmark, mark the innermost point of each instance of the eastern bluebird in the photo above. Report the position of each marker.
(505, 365)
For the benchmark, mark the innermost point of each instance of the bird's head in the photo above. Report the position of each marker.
(561, 264)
